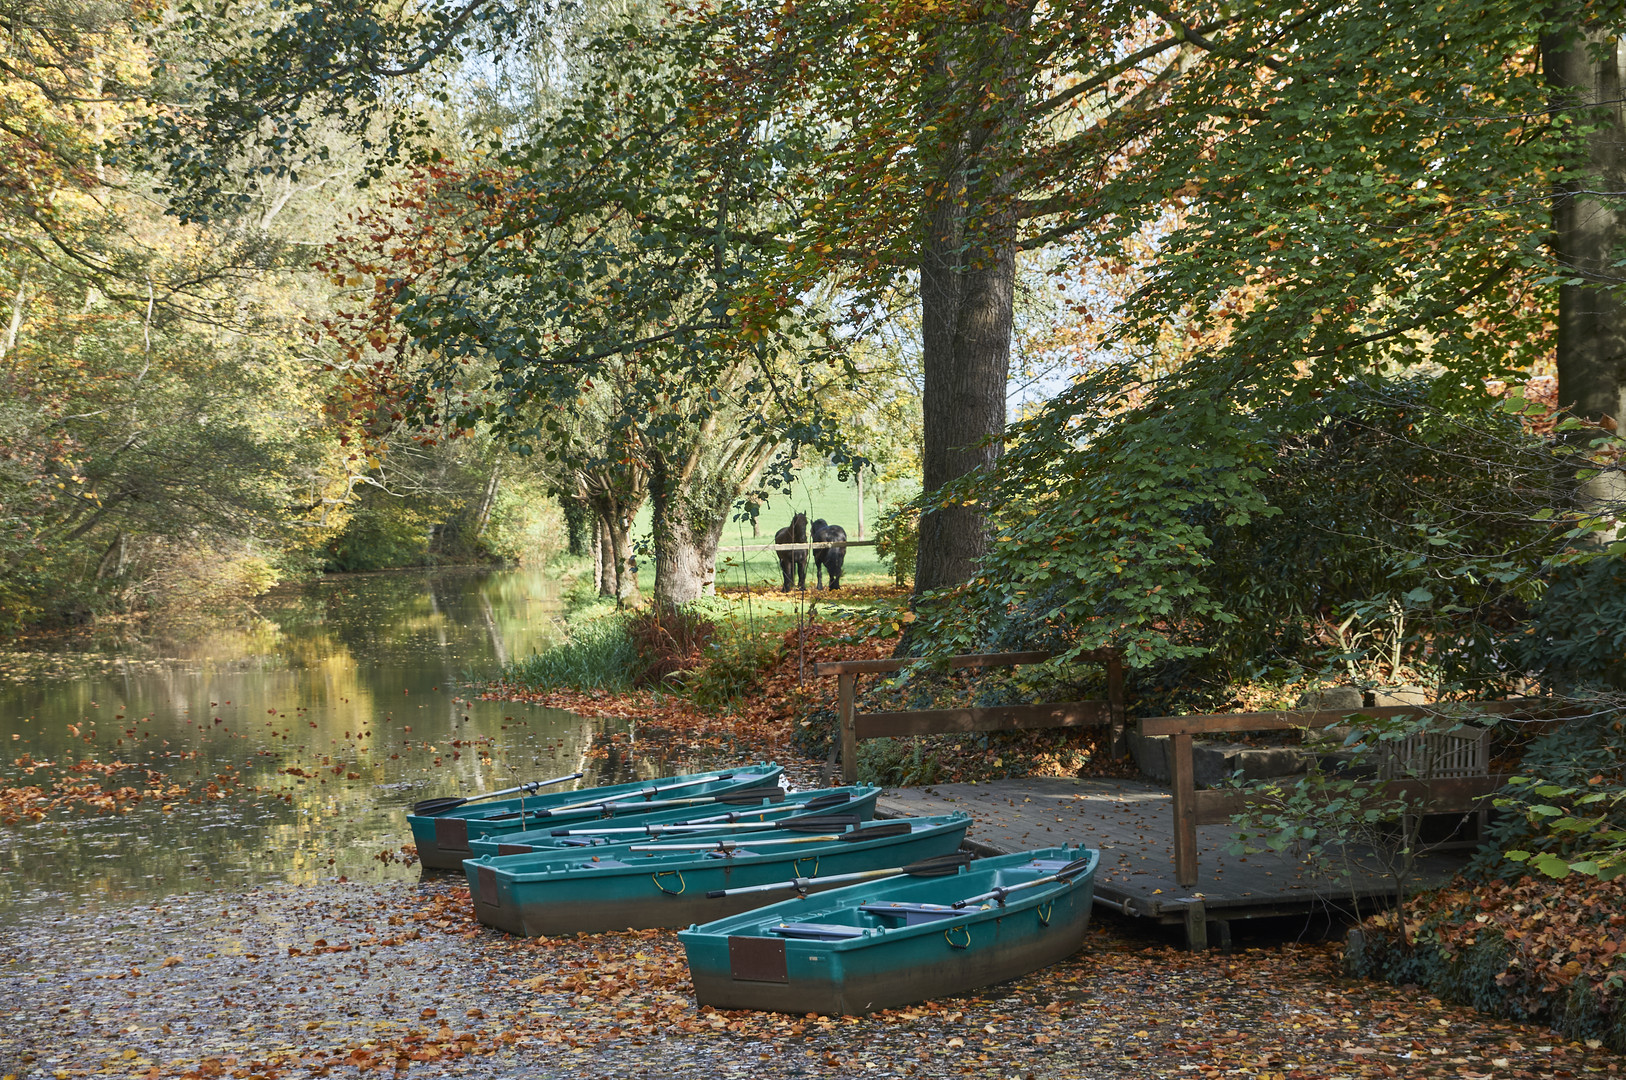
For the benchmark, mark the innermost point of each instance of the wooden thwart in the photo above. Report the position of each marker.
(856, 726)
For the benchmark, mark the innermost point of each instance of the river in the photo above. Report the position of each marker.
(284, 750)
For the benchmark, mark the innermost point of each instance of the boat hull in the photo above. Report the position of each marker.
(738, 964)
(861, 804)
(577, 895)
(443, 840)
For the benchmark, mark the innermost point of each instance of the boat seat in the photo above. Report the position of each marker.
(817, 931)
(727, 854)
(912, 914)
(602, 864)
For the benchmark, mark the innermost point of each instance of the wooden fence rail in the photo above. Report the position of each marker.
(809, 546)
(1193, 808)
(856, 726)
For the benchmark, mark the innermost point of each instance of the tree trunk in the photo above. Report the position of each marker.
(858, 483)
(688, 513)
(1588, 215)
(622, 561)
(603, 580)
(690, 496)
(1587, 72)
(967, 295)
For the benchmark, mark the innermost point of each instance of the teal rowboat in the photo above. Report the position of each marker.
(569, 891)
(887, 943)
(630, 828)
(443, 839)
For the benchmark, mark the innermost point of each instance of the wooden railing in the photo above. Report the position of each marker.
(1193, 807)
(856, 726)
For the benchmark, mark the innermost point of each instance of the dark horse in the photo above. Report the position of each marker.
(828, 558)
(794, 533)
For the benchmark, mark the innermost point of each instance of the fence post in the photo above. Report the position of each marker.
(1115, 702)
(849, 735)
(1185, 809)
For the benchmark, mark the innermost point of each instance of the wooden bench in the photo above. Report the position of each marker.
(856, 726)
(1193, 807)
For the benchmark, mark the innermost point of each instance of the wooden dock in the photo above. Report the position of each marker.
(1131, 823)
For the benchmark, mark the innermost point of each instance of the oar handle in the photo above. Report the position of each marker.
(800, 884)
(726, 845)
(648, 793)
(1066, 873)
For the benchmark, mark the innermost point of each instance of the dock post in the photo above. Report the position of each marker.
(1196, 926)
(1115, 702)
(1185, 809)
(849, 736)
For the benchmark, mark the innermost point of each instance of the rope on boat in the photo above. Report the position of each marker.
(966, 930)
(1045, 913)
(682, 885)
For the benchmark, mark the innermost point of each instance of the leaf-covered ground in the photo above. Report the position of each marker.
(349, 980)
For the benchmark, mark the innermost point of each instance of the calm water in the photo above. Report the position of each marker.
(316, 726)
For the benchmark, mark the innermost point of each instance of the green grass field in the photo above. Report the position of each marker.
(820, 495)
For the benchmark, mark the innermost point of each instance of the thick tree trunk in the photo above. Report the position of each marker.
(1589, 213)
(967, 296)
(686, 555)
(967, 291)
(690, 497)
(1588, 72)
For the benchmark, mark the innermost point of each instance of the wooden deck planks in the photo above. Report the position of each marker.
(1131, 822)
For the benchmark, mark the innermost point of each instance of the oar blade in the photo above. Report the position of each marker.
(825, 802)
(750, 796)
(878, 832)
(939, 865)
(1074, 868)
(431, 807)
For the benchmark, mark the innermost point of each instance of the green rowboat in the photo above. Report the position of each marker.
(630, 828)
(884, 944)
(443, 839)
(615, 887)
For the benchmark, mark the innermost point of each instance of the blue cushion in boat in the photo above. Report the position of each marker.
(912, 914)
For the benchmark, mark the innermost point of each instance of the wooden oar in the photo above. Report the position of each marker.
(725, 798)
(936, 866)
(1066, 873)
(822, 802)
(874, 832)
(431, 807)
(648, 792)
(811, 823)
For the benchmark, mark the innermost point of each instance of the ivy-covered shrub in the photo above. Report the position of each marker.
(1529, 950)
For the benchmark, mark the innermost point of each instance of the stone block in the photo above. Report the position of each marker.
(1151, 755)
(1400, 695)
(1215, 763)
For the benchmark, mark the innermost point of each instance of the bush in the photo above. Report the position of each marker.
(599, 655)
(1568, 808)
(897, 538)
(735, 664)
(669, 639)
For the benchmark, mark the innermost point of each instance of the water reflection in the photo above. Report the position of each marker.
(314, 726)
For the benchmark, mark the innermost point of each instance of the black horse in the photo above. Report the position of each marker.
(794, 533)
(831, 558)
